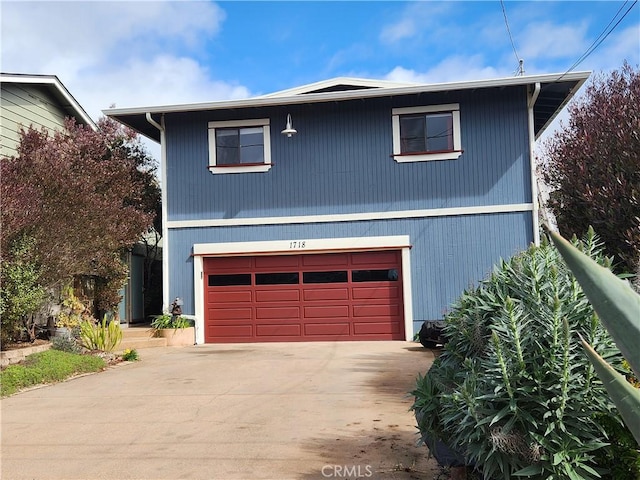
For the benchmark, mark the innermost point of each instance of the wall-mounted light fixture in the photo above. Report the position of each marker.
(289, 131)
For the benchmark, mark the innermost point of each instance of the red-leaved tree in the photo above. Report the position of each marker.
(83, 196)
(593, 166)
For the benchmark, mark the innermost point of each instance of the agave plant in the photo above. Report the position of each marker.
(103, 336)
(618, 307)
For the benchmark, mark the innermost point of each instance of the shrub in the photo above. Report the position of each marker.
(66, 344)
(21, 294)
(167, 320)
(104, 337)
(130, 355)
(511, 389)
(46, 367)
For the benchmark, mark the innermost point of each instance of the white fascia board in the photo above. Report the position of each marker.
(351, 217)
(299, 246)
(53, 82)
(266, 101)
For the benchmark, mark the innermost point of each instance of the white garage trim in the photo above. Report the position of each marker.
(299, 247)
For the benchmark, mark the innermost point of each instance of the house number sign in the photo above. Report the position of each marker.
(297, 244)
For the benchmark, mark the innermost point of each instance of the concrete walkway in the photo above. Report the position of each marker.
(245, 411)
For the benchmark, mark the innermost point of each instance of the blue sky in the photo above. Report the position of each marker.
(157, 53)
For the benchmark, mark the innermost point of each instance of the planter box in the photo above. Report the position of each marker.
(178, 337)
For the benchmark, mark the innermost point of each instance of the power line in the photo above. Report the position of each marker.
(602, 37)
(520, 70)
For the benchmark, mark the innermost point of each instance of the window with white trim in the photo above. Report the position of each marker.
(426, 133)
(239, 146)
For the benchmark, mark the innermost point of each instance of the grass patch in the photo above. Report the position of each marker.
(46, 367)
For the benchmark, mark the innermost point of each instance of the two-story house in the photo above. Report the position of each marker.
(347, 209)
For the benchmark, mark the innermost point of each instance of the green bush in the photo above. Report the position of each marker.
(21, 294)
(167, 320)
(512, 390)
(66, 344)
(46, 367)
(103, 336)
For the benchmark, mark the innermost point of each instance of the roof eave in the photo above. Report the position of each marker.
(265, 101)
(70, 104)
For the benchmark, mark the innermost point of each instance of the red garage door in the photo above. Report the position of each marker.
(336, 296)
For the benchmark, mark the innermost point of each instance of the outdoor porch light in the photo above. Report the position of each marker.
(289, 131)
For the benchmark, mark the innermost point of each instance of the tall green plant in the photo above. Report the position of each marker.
(511, 391)
(103, 336)
(21, 294)
(618, 306)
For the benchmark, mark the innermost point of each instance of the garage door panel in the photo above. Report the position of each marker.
(278, 330)
(215, 330)
(218, 297)
(373, 328)
(230, 313)
(269, 262)
(325, 294)
(265, 296)
(329, 259)
(375, 258)
(382, 310)
(327, 328)
(227, 263)
(383, 292)
(327, 311)
(277, 312)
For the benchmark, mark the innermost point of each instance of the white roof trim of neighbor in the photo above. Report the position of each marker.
(59, 90)
(298, 99)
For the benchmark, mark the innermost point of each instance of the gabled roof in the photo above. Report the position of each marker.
(338, 84)
(55, 87)
(555, 91)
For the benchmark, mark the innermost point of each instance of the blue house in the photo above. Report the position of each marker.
(347, 209)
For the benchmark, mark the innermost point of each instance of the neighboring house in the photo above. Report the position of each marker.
(347, 209)
(42, 101)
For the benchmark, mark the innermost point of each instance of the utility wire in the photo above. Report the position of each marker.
(520, 70)
(602, 37)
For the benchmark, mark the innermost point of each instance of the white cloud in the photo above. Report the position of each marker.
(128, 53)
(455, 68)
(550, 40)
(416, 19)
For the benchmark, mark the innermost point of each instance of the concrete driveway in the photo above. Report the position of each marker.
(244, 411)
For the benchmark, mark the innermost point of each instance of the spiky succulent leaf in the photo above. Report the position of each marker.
(625, 396)
(615, 302)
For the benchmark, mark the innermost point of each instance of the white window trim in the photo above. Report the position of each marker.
(266, 132)
(454, 108)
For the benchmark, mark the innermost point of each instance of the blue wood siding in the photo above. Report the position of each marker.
(339, 162)
(448, 253)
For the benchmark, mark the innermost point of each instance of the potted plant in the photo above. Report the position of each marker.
(178, 330)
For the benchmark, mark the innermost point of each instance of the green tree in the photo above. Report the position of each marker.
(84, 197)
(593, 166)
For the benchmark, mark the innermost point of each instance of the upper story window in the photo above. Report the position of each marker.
(426, 133)
(239, 146)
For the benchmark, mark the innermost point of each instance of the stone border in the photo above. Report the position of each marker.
(17, 355)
